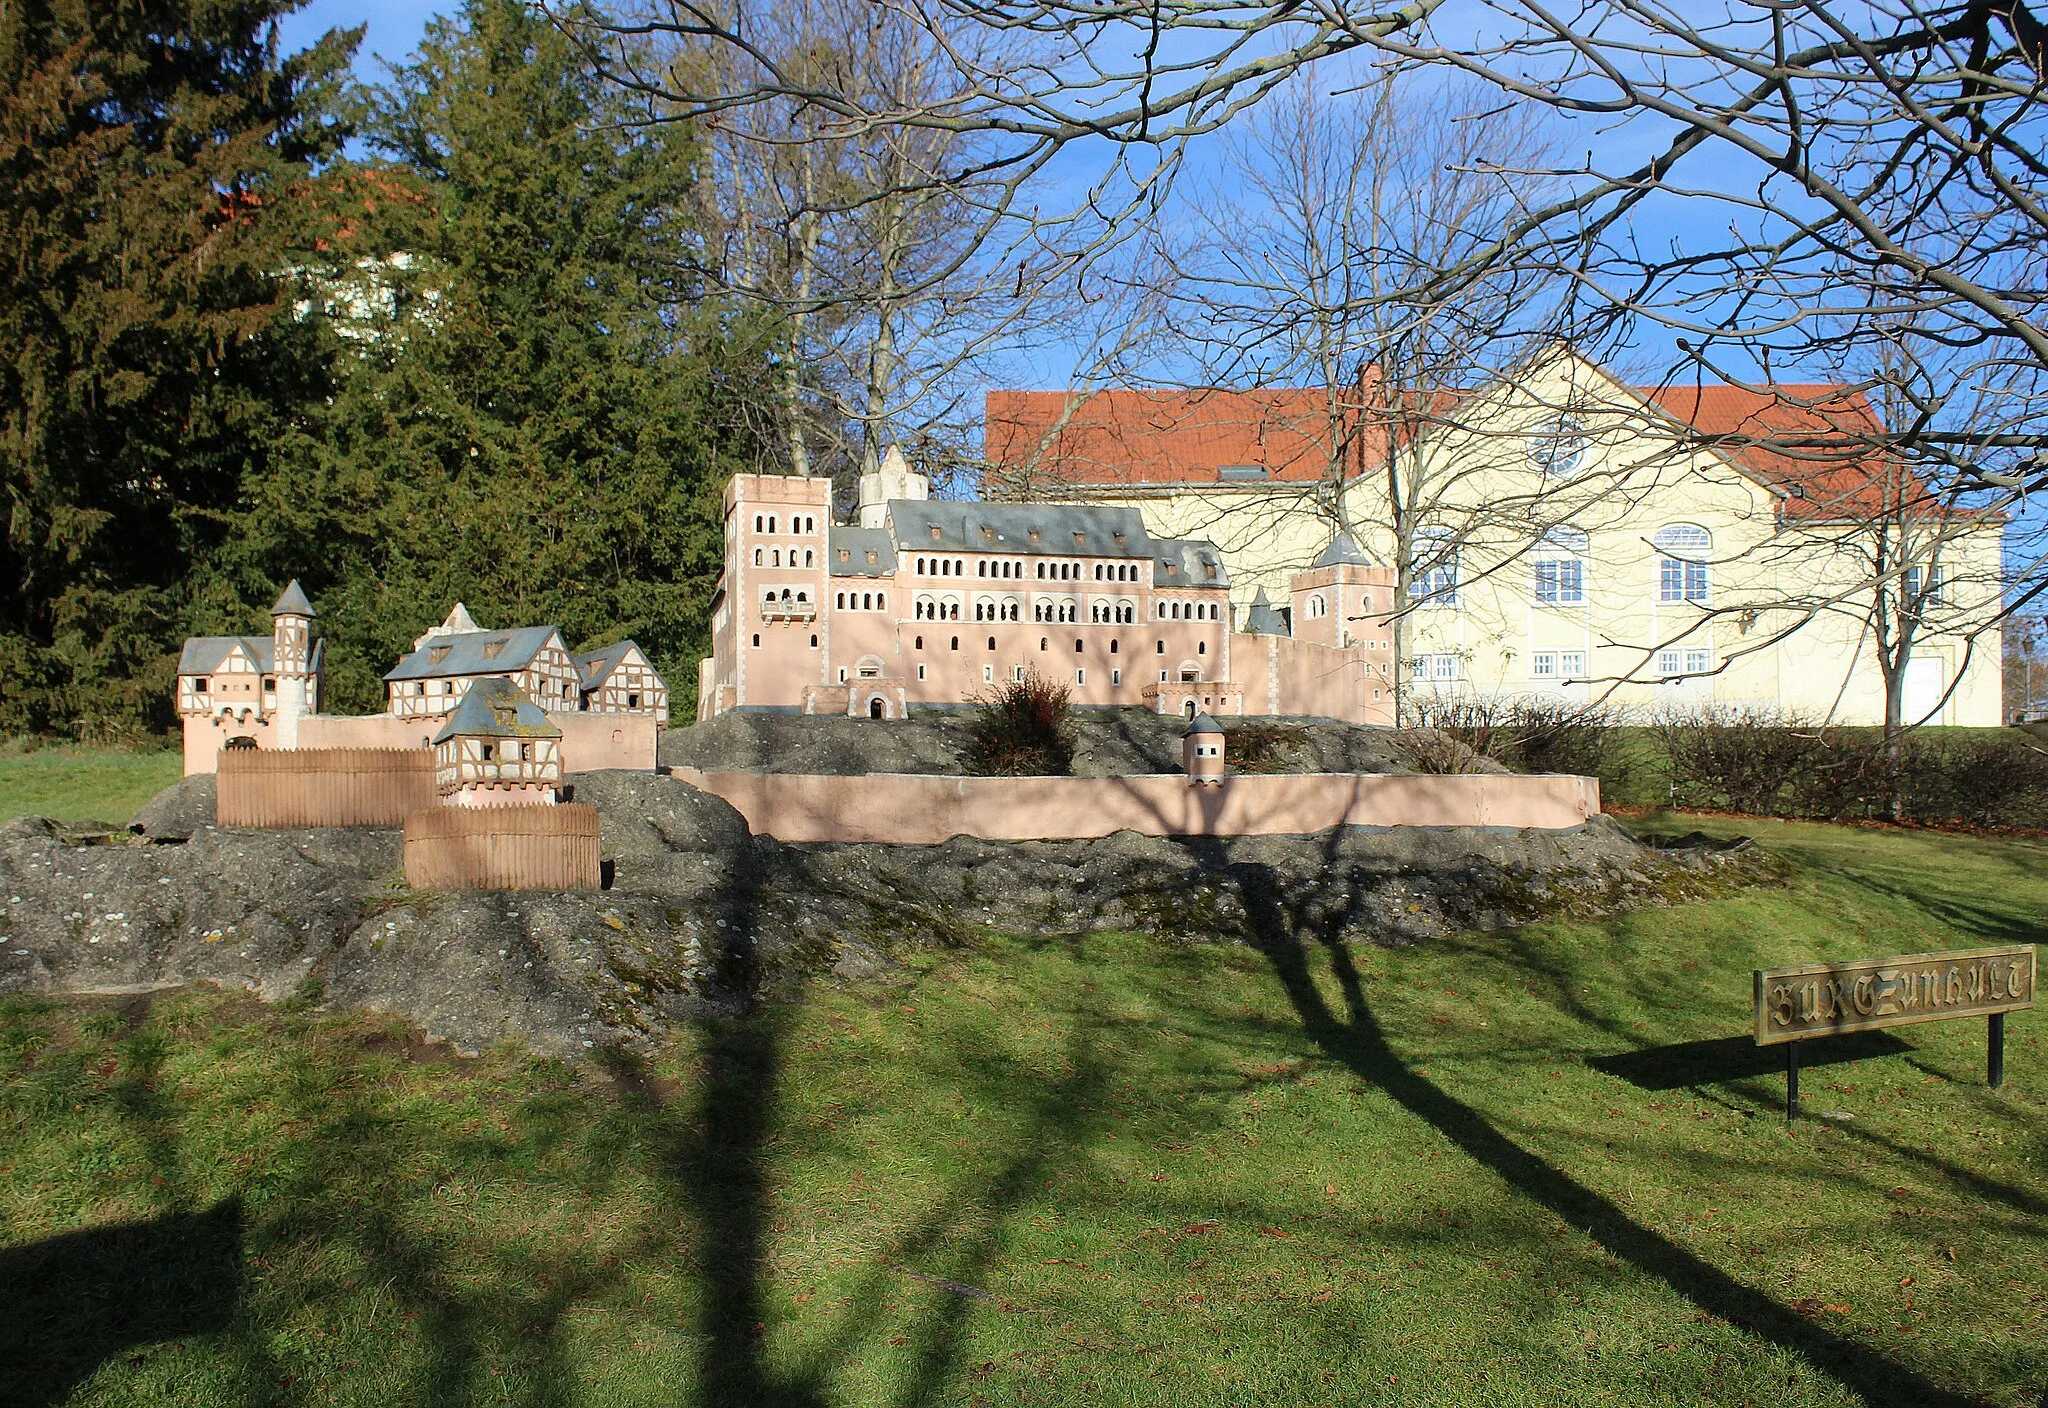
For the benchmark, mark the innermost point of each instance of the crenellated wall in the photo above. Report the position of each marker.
(902, 809)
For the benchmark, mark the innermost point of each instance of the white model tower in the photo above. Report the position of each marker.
(894, 480)
(291, 649)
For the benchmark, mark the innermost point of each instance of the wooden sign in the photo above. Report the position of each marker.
(1823, 999)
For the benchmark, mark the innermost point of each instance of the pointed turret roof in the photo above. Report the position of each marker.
(497, 708)
(1202, 723)
(1262, 618)
(293, 602)
(1342, 552)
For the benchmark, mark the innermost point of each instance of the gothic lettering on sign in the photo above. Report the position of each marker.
(1820, 999)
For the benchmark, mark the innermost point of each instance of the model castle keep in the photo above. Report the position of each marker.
(929, 602)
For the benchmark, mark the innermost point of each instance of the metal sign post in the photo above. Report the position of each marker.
(1827, 999)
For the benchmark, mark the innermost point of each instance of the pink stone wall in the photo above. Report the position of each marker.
(590, 742)
(898, 809)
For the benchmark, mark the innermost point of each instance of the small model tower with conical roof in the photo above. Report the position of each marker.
(1201, 751)
(294, 664)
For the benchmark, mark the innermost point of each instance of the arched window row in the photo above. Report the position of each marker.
(1190, 611)
(775, 557)
(861, 601)
(1056, 611)
(1112, 613)
(784, 599)
(1116, 572)
(1059, 571)
(941, 567)
(937, 609)
(999, 567)
(798, 523)
(990, 609)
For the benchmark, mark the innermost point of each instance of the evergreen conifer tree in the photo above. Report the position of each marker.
(148, 359)
(523, 418)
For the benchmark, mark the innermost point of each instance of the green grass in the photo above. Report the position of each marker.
(1101, 1170)
(72, 782)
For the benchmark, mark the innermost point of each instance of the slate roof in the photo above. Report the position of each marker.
(592, 666)
(857, 543)
(466, 654)
(497, 708)
(202, 654)
(293, 602)
(1343, 551)
(1202, 723)
(985, 527)
(1262, 618)
(1195, 560)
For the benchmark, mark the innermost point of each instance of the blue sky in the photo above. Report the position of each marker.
(395, 27)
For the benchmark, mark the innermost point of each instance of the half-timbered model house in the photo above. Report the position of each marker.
(447, 660)
(497, 749)
(620, 679)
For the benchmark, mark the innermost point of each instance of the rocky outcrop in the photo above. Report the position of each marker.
(1107, 743)
(701, 916)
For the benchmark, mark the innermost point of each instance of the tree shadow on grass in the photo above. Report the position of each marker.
(76, 1300)
(1354, 1038)
(720, 1164)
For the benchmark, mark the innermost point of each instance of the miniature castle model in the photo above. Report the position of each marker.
(929, 602)
(248, 691)
(249, 687)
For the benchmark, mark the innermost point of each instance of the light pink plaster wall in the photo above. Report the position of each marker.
(205, 737)
(908, 810)
(590, 742)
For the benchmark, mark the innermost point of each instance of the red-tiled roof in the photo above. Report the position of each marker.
(1816, 443)
(1813, 443)
(1159, 437)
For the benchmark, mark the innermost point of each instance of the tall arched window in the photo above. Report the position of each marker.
(1682, 552)
(1560, 568)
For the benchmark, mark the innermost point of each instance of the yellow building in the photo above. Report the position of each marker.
(1568, 535)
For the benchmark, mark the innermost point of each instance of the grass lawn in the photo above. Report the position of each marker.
(1101, 1170)
(76, 783)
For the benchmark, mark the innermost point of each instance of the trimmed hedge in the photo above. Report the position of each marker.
(1766, 763)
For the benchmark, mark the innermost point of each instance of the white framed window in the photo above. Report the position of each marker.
(988, 674)
(920, 672)
(1435, 667)
(1080, 677)
(1571, 665)
(1543, 665)
(1560, 568)
(1932, 581)
(1116, 677)
(1017, 673)
(1433, 581)
(1677, 663)
(1682, 552)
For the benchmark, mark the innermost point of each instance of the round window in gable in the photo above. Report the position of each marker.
(1560, 452)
